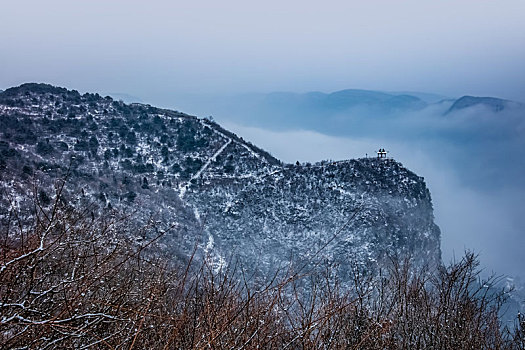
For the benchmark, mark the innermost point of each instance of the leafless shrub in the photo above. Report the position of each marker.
(518, 334)
(73, 280)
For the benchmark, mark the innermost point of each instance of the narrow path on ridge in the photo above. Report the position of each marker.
(184, 188)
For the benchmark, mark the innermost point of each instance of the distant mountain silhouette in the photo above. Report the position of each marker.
(494, 104)
(342, 100)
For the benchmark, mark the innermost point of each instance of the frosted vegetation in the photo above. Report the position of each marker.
(69, 280)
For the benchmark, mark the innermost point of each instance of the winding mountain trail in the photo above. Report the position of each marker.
(184, 188)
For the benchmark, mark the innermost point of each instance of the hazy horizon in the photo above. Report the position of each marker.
(165, 48)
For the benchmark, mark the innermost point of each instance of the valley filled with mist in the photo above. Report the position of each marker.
(469, 151)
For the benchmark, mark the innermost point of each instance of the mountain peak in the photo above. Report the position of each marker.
(224, 194)
(492, 103)
(37, 88)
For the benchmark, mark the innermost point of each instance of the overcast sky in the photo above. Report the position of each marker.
(155, 49)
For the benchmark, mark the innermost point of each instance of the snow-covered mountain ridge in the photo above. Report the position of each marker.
(225, 196)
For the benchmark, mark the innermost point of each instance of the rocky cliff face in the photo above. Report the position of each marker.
(222, 195)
